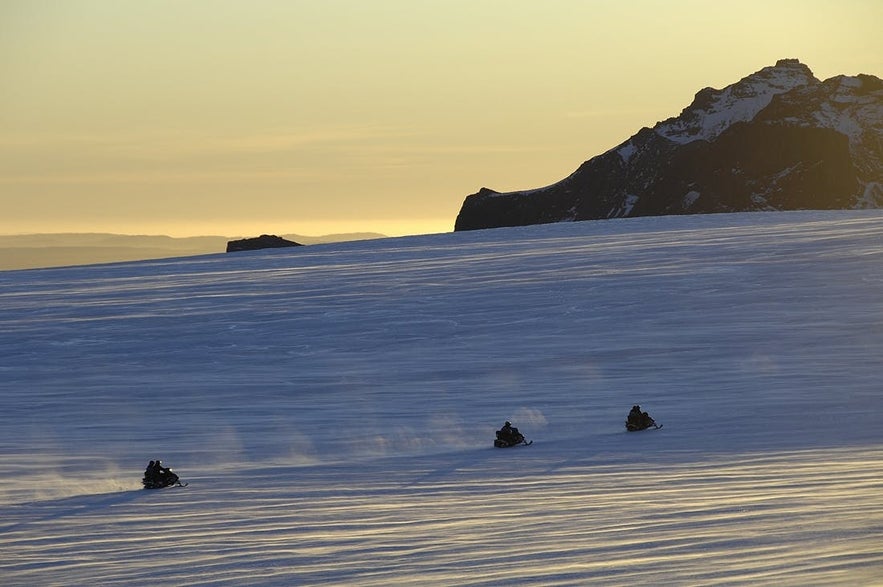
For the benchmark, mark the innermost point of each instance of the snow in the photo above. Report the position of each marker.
(872, 196)
(627, 150)
(333, 408)
(737, 102)
(625, 208)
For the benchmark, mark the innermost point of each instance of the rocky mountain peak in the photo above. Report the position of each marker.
(713, 111)
(778, 139)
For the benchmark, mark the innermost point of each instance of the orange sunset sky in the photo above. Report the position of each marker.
(312, 117)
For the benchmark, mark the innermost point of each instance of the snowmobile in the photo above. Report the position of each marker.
(156, 477)
(508, 437)
(638, 420)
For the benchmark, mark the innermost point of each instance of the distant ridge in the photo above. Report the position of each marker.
(31, 251)
(778, 139)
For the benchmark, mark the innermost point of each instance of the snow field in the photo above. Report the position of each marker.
(333, 409)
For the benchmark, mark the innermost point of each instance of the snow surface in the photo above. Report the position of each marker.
(333, 408)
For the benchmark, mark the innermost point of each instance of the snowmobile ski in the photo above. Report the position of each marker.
(654, 427)
(502, 444)
(178, 484)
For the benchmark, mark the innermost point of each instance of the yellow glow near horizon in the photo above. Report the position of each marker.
(341, 116)
(247, 228)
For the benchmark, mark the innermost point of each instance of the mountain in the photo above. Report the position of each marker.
(779, 139)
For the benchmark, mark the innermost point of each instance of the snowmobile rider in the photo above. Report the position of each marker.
(155, 471)
(508, 432)
(635, 418)
(638, 420)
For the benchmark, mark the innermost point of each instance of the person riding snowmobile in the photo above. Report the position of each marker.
(508, 435)
(156, 476)
(638, 420)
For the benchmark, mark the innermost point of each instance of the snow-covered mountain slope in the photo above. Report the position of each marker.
(333, 408)
(778, 139)
(851, 106)
(713, 111)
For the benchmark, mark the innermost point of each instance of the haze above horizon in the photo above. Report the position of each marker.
(198, 118)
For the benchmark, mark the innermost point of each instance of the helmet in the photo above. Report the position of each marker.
(508, 423)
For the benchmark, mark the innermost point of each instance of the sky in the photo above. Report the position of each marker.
(333, 409)
(293, 116)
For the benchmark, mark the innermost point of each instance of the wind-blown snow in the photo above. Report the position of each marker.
(333, 409)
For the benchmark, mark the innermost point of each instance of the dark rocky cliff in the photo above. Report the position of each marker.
(778, 139)
(265, 241)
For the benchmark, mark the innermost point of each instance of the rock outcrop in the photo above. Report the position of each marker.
(265, 241)
(779, 139)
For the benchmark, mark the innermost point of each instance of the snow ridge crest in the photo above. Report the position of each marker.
(713, 111)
